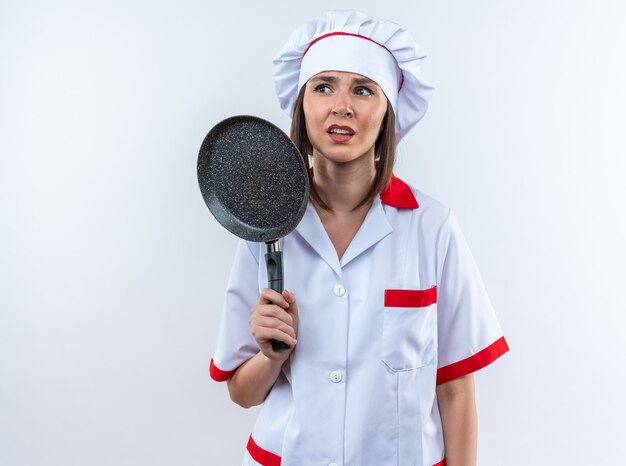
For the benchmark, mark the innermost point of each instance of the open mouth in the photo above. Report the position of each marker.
(340, 131)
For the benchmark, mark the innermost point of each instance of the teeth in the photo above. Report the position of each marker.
(340, 131)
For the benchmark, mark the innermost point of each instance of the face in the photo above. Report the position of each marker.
(344, 114)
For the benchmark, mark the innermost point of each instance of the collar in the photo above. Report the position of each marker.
(398, 194)
(375, 227)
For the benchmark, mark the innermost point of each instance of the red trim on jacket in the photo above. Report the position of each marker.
(267, 458)
(398, 194)
(261, 456)
(411, 298)
(218, 374)
(473, 363)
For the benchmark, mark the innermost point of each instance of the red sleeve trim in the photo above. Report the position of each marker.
(411, 298)
(218, 374)
(261, 456)
(441, 463)
(473, 363)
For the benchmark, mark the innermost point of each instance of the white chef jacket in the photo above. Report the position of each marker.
(403, 310)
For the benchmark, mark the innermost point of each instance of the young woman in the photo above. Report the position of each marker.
(386, 313)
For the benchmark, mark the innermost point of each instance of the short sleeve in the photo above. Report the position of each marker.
(469, 335)
(235, 343)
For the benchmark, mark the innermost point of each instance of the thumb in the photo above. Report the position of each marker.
(291, 299)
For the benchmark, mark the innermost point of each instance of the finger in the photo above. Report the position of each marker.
(270, 322)
(271, 310)
(271, 296)
(289, 296)
(293, 305)
(267, 334)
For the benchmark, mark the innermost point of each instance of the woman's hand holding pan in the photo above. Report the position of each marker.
(275, 316)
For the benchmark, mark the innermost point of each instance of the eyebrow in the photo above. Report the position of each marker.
(332, 79)
(363, 81)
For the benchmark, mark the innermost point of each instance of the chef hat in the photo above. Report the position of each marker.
(352, 41)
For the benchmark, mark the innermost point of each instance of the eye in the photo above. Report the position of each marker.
(322, 89)
(365, 91)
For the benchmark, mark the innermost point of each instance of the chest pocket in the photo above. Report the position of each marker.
(409, 328)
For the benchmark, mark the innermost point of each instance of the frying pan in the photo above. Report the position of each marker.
(255, 183)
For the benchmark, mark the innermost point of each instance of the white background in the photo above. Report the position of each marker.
(112, 269)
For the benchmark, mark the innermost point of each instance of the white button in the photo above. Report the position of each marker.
(333, 464)
(335, 376)
(339, 290)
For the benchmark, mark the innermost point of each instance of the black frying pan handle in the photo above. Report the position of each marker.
(274, 267)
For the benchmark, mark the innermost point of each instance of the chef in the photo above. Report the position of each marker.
(385, 311)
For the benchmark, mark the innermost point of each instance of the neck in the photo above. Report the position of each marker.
(343, 186)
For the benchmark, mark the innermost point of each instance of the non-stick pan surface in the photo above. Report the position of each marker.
(253, 178)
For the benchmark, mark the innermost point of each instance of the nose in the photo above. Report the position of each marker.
(341, 105)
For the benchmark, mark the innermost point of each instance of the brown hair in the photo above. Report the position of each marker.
(384, 150)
